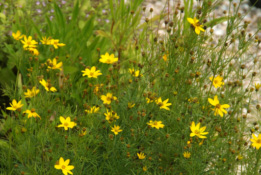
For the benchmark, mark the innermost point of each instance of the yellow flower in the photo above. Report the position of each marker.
(201, 143)
(186, 154)
(109, 59)
(164, 104)
(53, 64)
(64, 166)
(93, 110)
(239, 157)
(46, 41)
(97, 88)
(135, 73)
(83, 133)
(165, 57)
(14, 105)
(32, 113)
(141, 156)
(66, 123)
(47, 86)
(33, 51)
(257, 86)
(91, 73)
(256, 141)
(144, 168)
(195, 22)
(116, 129)
(156, 124)
(197, 131)
(131, 105)
(219, 109)
(217, 81)
(28, 42)
(56, 44)
(148, 100)
(108, 98)
(111, 116)
(17, 35)
(31, 93)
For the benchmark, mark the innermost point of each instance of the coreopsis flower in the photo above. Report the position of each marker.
(14, 105)
(111, 116)
(53, 64)
(83, 133)
(219, 109)
(116, 129)
(64, 166)
(107, 99)
(93, 110)
(97, 88)
(131, 105)
(66, 123)
(47, 86)
(196, 24)
(56, 44)
(108, 59)
(240, 157)
(91, 73)
(165, 57)
(197, 131)
(163, 104)
(156, 124)
(257, 86)
(256, 141)
(135, 73)
(31, 93)
(33, 51)
(186, 154)
(217, 81)
(144, 168)
(32, 113)
(141, 156)
(46, 41)
(17, 35)
(29, 42)
(148, 100)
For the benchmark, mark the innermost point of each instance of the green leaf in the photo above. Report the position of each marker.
(70, 69)
(60, 19)
(75, 11)
(216, 21)
(103, 34)
(7, 76)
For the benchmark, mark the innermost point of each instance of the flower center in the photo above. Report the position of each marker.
(108, 98)
(197, 132)
(66, 124)
(218, 106)
(91, 73)
(197, 24)
(215, 81)
(160, 104)
(258, 141)
(63, 167)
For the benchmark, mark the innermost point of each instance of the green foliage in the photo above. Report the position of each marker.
(166, 77)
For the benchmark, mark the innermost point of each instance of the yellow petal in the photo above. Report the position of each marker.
(66, 163)
(225, 106)
(190, 20)
(197, 30)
